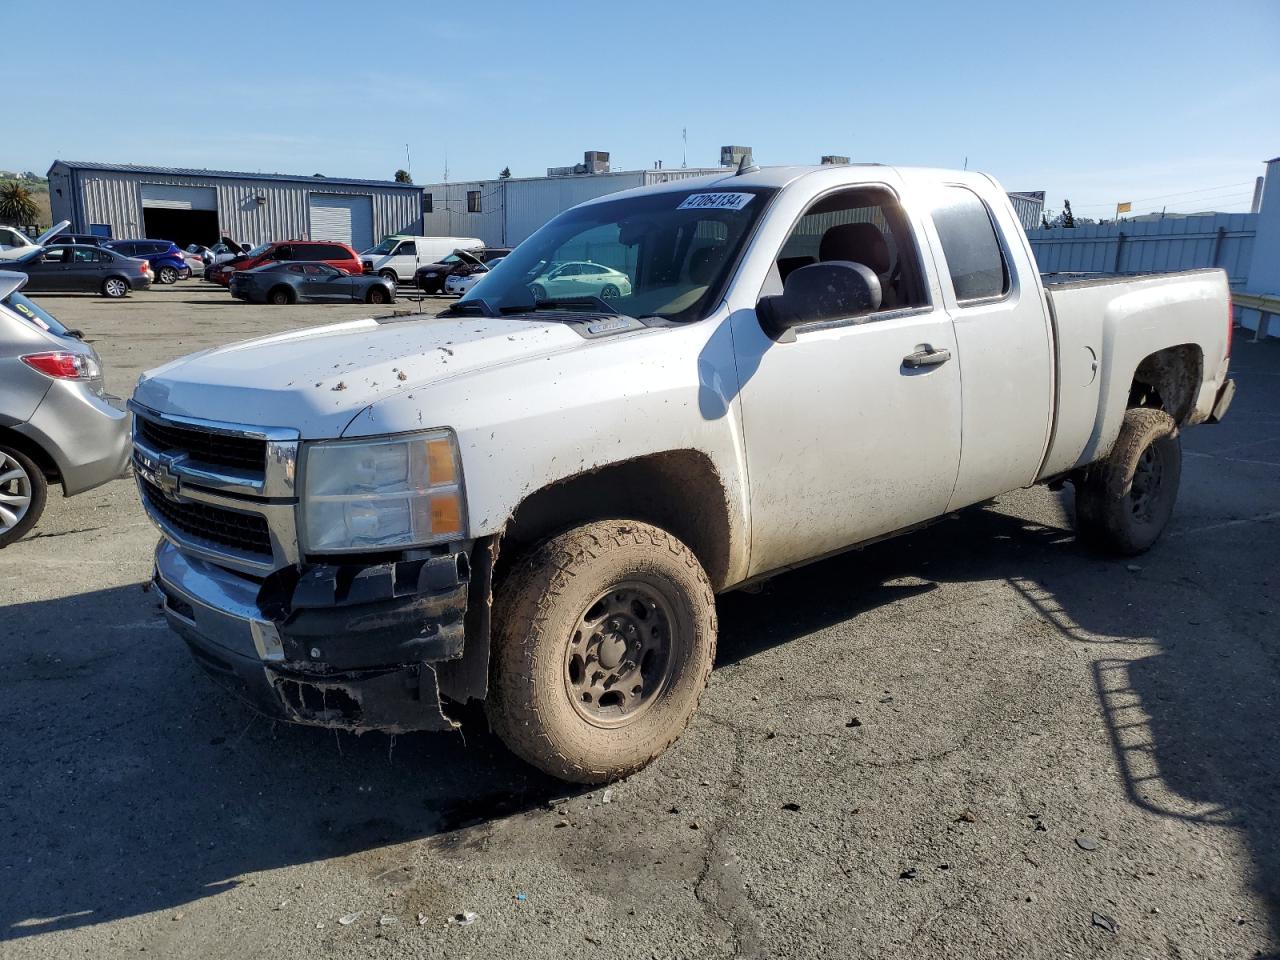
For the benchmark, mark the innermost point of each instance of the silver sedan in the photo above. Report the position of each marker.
(56, 422)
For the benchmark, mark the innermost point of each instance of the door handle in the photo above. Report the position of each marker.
(926, 358)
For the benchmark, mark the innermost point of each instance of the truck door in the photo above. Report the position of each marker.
(1005, 351)
(852, 428)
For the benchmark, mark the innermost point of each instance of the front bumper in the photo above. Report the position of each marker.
(347, 648)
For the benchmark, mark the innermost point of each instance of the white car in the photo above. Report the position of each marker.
(15, 244)
(456, 286)
(581, 278)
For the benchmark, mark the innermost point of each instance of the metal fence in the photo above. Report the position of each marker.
(1150, 246)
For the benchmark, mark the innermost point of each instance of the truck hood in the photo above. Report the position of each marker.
(316, 380)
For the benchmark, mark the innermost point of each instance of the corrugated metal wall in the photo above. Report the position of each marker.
(512, 210)
(1029, 210)
(1150, 246)
(115, 198)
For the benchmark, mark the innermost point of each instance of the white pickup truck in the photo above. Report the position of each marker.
(533, 503)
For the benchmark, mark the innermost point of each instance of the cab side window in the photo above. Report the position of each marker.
(408, 249)
(975, 259)
(863, 225)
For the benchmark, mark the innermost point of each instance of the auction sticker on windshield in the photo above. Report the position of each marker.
(715, 201)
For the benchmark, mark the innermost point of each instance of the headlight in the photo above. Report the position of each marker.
(376, 494)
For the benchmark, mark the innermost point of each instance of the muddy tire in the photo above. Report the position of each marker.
(604, 638)
(1124, 502)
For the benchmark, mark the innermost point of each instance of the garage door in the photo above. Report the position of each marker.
(342, 218)
(168, 196)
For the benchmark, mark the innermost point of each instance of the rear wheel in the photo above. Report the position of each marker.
(1124, 502)
(115, 288)
(167, 275)
(610, 292)
(378, 295)
(280, 296)
(23, 492)
(604, 640)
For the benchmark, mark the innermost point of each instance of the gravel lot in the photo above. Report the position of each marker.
(978, 740)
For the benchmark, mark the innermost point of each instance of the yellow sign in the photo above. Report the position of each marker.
(1123, 208)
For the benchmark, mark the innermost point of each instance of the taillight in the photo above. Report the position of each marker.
(64, 366)
(1231, 323)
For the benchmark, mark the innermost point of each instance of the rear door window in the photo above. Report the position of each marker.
(975, 259)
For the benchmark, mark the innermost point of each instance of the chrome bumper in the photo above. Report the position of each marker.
(341, 665)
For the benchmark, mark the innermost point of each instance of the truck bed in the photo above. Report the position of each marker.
(1104, 326)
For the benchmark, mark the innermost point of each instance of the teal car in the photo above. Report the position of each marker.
(581, 278)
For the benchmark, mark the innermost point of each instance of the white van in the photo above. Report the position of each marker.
(397, 258)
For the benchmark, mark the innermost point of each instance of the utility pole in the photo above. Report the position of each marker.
(684, 150)
(408, 164)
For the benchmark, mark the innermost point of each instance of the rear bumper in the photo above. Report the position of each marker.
(353, 657)
(1223, 402)
(87, 436)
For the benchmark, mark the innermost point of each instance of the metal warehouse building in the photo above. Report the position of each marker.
(504, 212)
(198, 206)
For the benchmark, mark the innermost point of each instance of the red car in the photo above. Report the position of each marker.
(337, 255)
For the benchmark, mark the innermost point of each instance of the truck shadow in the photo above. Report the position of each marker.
(1191, 703)
(133, 785)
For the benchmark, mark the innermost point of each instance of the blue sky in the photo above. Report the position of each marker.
(1096, 102)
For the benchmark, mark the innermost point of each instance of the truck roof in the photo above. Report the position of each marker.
(781, 176)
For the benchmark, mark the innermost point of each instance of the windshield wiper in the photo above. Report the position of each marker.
(594, 304)
(464, 308)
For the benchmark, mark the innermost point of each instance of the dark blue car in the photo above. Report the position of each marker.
(165, 258)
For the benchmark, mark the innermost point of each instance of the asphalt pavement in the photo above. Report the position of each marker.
(979, 740)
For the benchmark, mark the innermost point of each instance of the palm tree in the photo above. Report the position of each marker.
(17, 206)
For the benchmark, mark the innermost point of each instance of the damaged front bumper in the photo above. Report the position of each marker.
(352, 648)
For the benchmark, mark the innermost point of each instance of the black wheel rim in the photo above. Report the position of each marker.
(1148, 478)
(619, 658)
(609, 293)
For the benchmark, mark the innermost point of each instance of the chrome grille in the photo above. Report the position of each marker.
(211, 524)
(221, 491)
(203, 446)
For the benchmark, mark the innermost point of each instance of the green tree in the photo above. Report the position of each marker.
(402, 176)
(1068, 218)
(17, 206)
(505, 174)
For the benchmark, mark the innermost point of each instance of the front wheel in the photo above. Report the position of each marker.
(115, 288)
(389, 275)
(539, 292)
(167, 275)
(23, 492)
(603, 642)
(1124, 502)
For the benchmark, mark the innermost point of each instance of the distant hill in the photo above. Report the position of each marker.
(39, 187)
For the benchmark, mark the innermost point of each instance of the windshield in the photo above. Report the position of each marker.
(657, 254)
(28, 311)
(258, 251)
(385, 247)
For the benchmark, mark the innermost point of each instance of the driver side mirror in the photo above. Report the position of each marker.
(821, 291)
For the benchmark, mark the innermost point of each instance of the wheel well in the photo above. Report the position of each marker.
(679, 491)
(37, 453)
(1168, 380)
